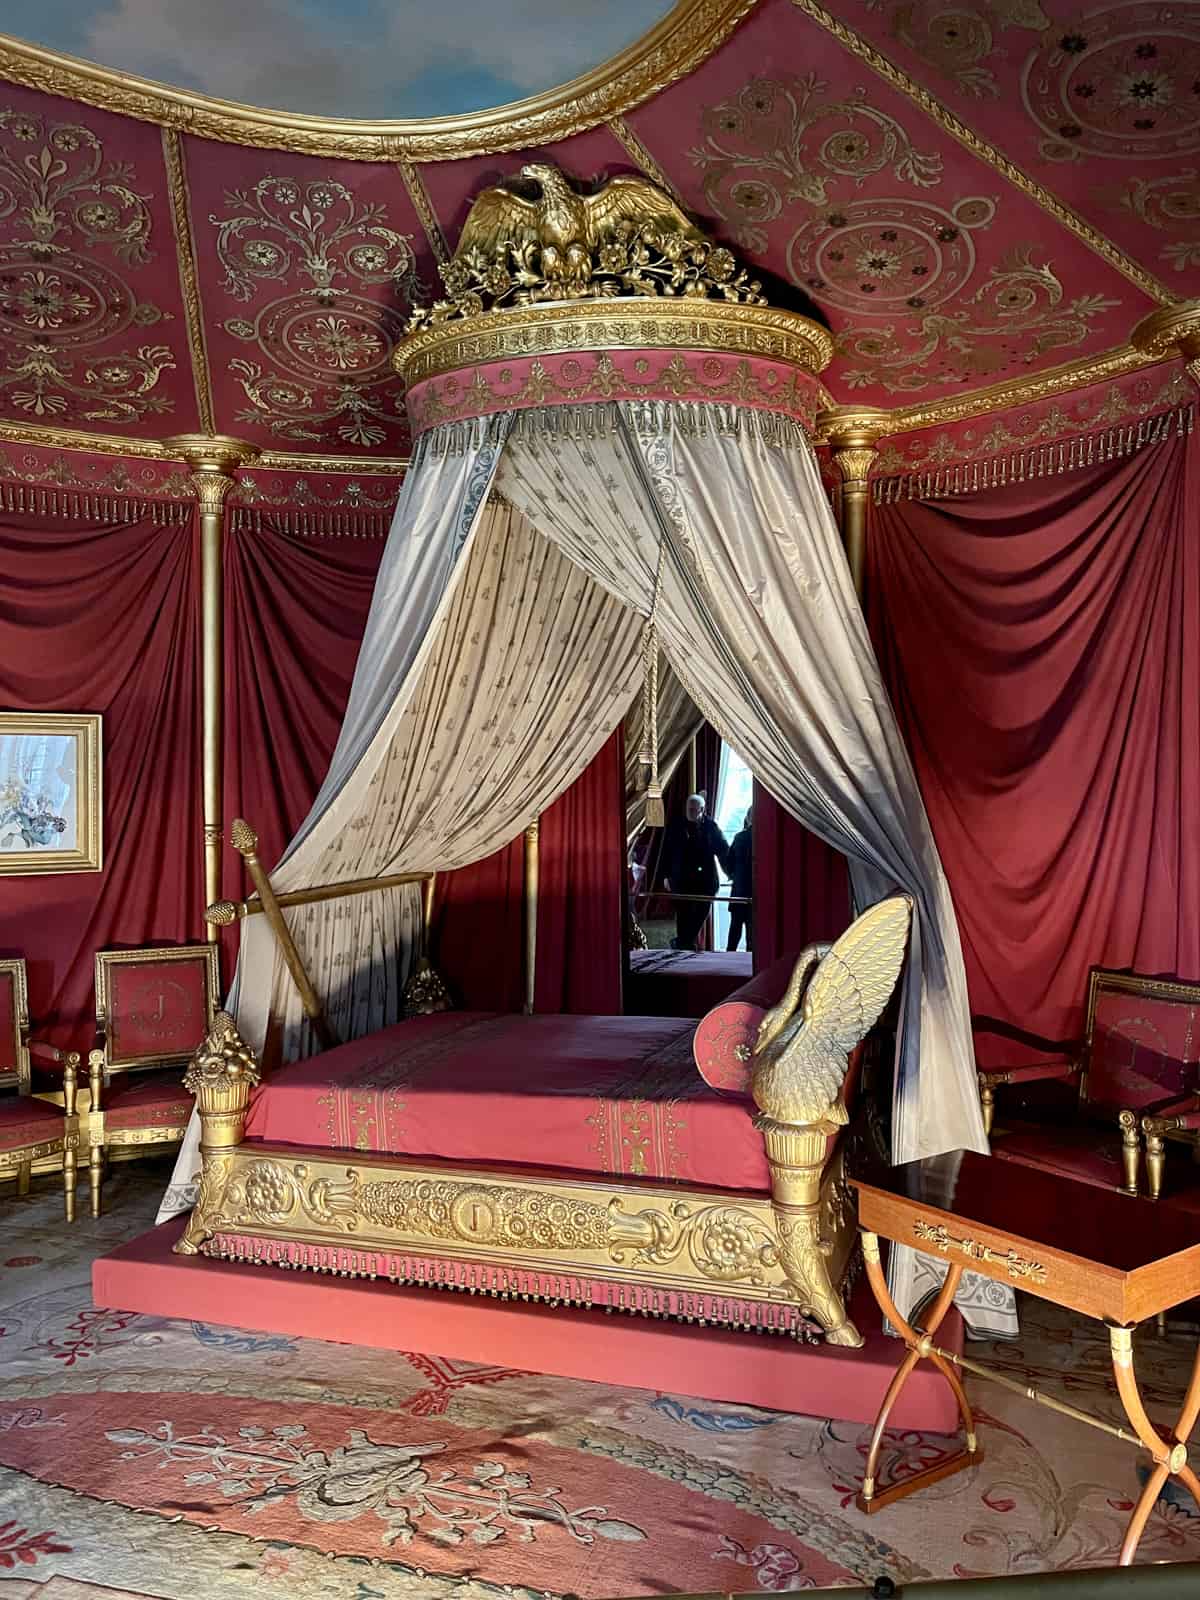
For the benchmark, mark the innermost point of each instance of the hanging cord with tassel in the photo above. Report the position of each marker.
(656, 815)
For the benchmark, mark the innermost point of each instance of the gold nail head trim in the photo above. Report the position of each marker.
(423, 206)
(978, 146)
(189, 280)
(675, 46)
(1016, 1266)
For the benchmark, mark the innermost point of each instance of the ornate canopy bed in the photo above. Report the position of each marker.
(612, 459)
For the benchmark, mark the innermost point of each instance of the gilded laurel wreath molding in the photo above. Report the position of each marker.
(189, 280)
(108, 444)
(688, 35)
(627, 324)
(978, 146)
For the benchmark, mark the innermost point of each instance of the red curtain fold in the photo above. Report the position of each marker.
(801, 884)
(581, 864)
(478, 931)
(103, 619)
(295, 610)
(1042, 648)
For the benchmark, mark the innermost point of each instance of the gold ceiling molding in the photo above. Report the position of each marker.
(639, 152)
(109, 444)
(941, 114)
(675, 46)
(189, 281)
(1077, 374)
(418, 194)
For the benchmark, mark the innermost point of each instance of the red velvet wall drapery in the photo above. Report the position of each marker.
(1041, 643)
(801, 884)
(103, 618)
(581, 865)
(295, 610)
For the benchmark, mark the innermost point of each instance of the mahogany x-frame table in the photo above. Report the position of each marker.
(1092, 1250)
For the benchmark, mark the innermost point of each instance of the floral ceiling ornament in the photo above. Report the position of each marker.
(326, 345)
(782, 140)
(1119, 82)
(1170, 205)
(908, 259)
(65, 210)
(957, 39)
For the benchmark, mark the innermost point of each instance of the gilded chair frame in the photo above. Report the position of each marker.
(1102, 981)
(22, 1077)
(127, 1144)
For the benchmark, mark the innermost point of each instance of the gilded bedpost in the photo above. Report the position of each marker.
(796, 1157)
(221, 1074)
(801, 1058)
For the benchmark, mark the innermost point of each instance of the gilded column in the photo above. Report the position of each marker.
(532, 833)
(853, 433)
(1173, 329)
(212, 460)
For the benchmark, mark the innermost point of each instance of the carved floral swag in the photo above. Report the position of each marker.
(502, 650)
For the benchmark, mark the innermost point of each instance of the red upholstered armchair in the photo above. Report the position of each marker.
(153, 1007)
(33, 1131)
(1139, 1059)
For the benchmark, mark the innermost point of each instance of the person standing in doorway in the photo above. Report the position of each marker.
(741, 872)
(693, 847)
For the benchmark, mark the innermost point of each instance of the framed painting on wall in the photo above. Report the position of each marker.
(50, 789)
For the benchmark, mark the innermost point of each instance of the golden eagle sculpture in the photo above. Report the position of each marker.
(567, 227)
(802, 1056)
(629, 238)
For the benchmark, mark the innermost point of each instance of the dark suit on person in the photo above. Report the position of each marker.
(741, 872)
(691, 853)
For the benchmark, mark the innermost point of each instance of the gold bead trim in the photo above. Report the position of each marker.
(649, 324)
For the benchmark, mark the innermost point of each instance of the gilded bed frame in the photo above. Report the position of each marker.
(651, 1247)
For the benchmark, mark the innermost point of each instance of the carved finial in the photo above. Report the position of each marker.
(221, 1059)
(629, 239)
(425, 992)
(243, 837)
(221, 913)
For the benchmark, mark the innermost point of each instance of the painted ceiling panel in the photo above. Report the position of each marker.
(308, 270)
(92, 325)
(1099, 103)
(935, 272)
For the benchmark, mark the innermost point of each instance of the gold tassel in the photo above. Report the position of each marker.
(656, 815)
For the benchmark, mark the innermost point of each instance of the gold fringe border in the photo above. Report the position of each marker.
(29, 500)
(1036, 461)
(306, 523)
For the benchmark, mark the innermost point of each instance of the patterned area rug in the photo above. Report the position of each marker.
(180, 1459)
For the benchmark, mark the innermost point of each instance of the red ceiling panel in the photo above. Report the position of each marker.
(1099, 103)
(936, 273)
(92, 327)
(308, 270)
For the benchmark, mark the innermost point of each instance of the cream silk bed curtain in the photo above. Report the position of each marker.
(492, 670)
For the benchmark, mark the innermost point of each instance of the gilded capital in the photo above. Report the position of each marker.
(212, 459)
(852, 433)
(1173, 328)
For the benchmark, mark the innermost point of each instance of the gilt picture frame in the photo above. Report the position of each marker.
(51, 784)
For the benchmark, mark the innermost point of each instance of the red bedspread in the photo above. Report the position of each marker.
(683, 983)
(582, 1094)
